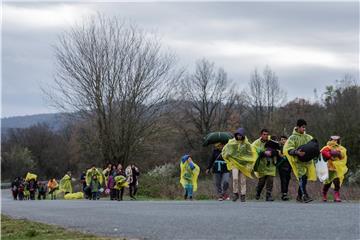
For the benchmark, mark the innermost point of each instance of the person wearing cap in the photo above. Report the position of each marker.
(266, 169)
(303, 171)
(240, 157)
(221, 173)
(189, 172)
(336, 158)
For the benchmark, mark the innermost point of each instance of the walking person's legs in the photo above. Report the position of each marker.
(242, 187)
(218, 187)
(337, 190)
(225, 185)
(235, 181)
(260, 186)
(269, 187)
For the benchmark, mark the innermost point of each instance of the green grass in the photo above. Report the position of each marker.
(21, 229)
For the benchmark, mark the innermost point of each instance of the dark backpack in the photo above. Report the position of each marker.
(311, 149)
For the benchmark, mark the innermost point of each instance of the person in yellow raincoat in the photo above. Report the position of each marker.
(303, 171)
(266, 169)
(65, 184)
(336, 158)
(189, 172)
(240, 157)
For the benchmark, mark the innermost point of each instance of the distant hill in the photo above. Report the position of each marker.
(54, 120)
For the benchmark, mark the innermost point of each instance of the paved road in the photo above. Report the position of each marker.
(195, 220)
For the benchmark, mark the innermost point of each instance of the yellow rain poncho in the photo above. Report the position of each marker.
(299, 168)
(188, 175)
(241, 155)
(263, 169)
(120, 182)
(337, 166)
(72, 196)
(92, 172)
(65, 184)
(30, 176)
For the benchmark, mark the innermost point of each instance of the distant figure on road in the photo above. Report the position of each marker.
(15, 187)
(52, 187)
(65, 184)
(336, 158)
(120, 183)
(189, 173)
(240, 157)
(95, 188)
(266, 169)
(42, 189)
(132, 174)
(221, 174)
(303, 171)
(284, 168)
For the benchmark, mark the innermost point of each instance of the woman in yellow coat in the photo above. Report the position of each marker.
(336, 158)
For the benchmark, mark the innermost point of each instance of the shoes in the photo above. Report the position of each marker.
(242, 198)
(221, 198)
(337, 196)
(190, 198)
(257, 196)
(306, 198)
(285, 197)
(299, 198)
(235, 197)
(185, 196)
(226, 197)
(269, 199)
(324, 196)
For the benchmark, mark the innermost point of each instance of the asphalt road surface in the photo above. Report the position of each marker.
(194, 219)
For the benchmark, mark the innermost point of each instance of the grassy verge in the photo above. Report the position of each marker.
(20, 229)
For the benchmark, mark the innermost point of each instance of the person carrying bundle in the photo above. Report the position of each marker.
(304, 170)
(221, 174)
(336, 158)
(266, 169)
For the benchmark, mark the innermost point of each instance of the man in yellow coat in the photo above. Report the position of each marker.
(266, 169)
(336, 158)
(303, 171)
(240, 157)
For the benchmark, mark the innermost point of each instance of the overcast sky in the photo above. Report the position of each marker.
(308, 45)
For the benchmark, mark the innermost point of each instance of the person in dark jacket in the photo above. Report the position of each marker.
(284, 169)
(83, 183)
(15, 187)
(132, 174)
(32, 186)
(221, 174)
(42, 189)
(21, 189)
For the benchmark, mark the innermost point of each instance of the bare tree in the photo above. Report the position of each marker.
(264, 97)
(207, 100)
(116, 74)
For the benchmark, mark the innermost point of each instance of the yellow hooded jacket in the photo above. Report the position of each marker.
(184, 167)
(241, 155)
(299, 168)
(263, 169)
(337, 166)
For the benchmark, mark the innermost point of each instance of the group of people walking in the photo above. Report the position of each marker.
(113, 178)
(263, 158)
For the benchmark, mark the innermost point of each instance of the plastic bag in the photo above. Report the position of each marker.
(322, 171)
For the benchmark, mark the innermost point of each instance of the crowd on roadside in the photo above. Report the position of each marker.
(110, 181)
(266, 156)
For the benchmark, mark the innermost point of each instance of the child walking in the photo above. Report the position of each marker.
(189, 173)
